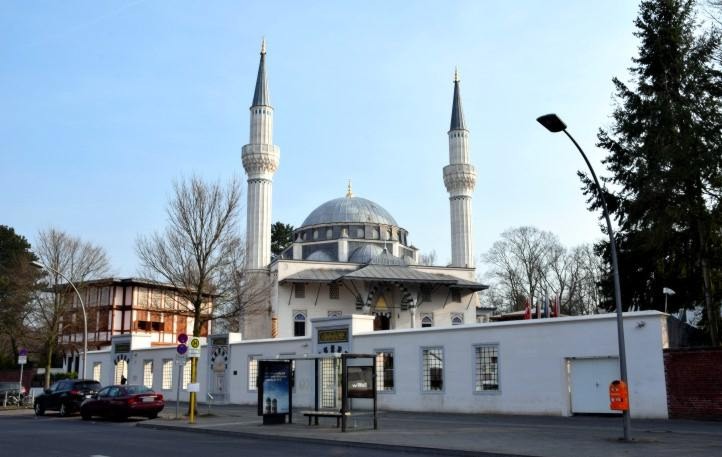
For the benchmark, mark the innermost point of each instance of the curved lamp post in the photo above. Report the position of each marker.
(552, 123)
(82, 306)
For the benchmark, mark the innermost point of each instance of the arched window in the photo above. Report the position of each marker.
(299, 323)
(457, 319)
(427, 320)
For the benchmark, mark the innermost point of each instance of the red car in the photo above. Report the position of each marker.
(120, 402)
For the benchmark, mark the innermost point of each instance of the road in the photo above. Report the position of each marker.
(24, 435)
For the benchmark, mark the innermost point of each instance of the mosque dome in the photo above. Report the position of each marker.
(348, 209)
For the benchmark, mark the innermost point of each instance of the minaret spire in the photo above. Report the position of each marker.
(460, 180)
(349, 192)
(261, 96)
(457, 113)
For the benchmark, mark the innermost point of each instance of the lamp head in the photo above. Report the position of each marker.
(552, 123)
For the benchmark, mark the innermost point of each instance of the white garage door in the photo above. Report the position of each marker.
(590, 379)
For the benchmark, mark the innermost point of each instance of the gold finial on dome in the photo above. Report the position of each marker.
(349, 193)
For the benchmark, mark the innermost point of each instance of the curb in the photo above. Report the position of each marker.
(331, 442)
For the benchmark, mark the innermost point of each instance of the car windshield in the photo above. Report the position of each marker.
(132, 390)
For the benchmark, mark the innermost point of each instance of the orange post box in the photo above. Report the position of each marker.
(618, 396)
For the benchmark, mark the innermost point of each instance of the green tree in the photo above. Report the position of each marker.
(281, 237)
(665, 160)
(18, 279)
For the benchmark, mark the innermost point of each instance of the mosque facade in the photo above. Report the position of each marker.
(350, 255)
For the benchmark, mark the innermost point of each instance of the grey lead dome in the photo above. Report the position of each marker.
(349, 210)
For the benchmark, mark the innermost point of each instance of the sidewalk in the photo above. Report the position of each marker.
(466, 434)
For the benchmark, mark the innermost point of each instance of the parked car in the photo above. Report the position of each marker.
(10, 388)
(123, 401)
(65, 396)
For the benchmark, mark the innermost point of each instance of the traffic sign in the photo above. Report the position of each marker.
(182, 338)
(181, 349)
(194, 347)
(22, 359)
(23, 351)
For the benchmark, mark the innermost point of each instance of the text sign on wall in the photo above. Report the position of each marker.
(338, 335)
(122, 348)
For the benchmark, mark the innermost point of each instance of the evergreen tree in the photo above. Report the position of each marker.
(665, 160)
(281, 237)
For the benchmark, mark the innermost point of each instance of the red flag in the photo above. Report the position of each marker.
(527, 311)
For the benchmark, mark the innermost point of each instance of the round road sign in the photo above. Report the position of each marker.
(182, 338)
(195, 343)
(182, 349)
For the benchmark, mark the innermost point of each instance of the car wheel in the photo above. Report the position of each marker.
(39, 409)
(85, 416)
(152, 415)
(64, 410)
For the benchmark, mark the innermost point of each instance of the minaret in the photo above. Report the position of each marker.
(260, 160)
(460, 180)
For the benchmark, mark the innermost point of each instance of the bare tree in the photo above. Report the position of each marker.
(518, 263)
(528, 264)
(79, 261)
(428, 259)
(200, 252)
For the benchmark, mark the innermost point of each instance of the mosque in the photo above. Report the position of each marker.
(350, 256)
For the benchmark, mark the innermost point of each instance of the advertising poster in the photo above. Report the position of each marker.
(275, 387)
(360, 382)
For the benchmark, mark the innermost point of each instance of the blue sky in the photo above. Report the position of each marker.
(104, 104)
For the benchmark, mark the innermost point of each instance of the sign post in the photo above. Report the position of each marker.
(194, 351)
(180, 361)
(22, 360)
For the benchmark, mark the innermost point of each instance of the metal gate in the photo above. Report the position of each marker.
(330, 378)
(589, 384)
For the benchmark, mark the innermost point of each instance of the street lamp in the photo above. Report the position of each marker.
(552, 123)
(82, 306)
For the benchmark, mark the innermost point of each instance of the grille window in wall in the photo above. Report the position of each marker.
(167, 383)
(457, 318)
(252, 373)
(300, 290)
(333, 292)
(433, 366)
(148, 373)
(427, 320)
(97, 367)
(384, 371)
(487, 368)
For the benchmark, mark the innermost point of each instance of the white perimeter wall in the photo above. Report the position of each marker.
(533, 357)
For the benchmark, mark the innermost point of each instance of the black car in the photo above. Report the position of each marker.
(66, 396)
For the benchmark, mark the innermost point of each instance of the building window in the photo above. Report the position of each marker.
(186, 375)
(299, 323)
(427, 320)
(456, 295)
(315, 234)
(97, 367)
(487, 368)
(425, 293)
(335, 313)
(457, 318)
(329, 233)
(252, 373)
(433, 366)
(167, 382)
(384, 371)
(121, 371)
(374, 233)
(300, 290)
(148, 373)
(333, 292)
